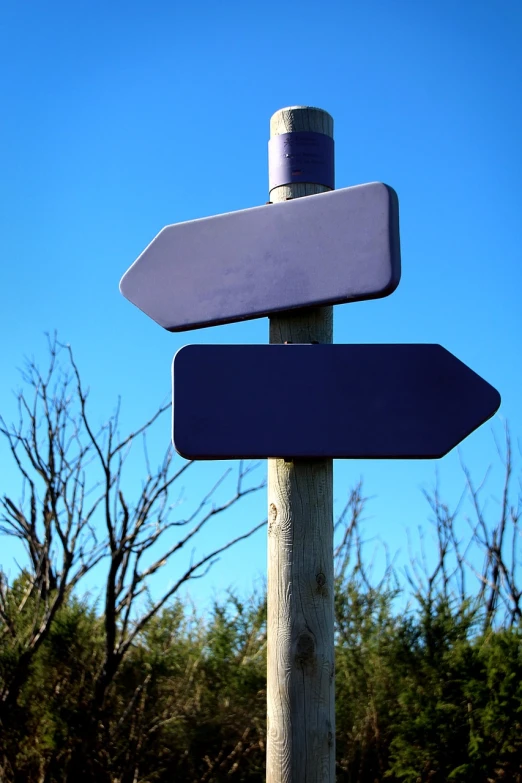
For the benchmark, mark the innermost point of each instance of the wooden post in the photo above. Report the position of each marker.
(300, 689)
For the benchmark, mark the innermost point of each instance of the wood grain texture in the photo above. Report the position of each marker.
(300, 690)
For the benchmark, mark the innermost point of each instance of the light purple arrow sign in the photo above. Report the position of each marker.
(335, 247)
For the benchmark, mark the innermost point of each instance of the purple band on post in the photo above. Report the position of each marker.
(301, 156)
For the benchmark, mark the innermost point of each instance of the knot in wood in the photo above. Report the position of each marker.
(322, 589)
(305, 651)
(330, 733)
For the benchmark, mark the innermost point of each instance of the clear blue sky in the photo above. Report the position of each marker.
(119, 118)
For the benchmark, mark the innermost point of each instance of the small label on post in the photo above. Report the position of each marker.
(301, 156)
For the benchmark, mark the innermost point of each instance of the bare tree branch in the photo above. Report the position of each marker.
(76, 511)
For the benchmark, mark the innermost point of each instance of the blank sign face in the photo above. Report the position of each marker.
(335, 247)
(308, 401)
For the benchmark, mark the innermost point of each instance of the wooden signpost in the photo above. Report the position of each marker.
(300, 401)
(300, 600)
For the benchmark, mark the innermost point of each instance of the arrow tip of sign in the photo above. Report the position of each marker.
(483, 399)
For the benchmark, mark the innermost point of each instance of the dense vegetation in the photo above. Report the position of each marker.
(428, 664)
(422, 695)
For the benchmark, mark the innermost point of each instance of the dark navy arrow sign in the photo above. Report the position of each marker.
(326, 249)
(341, 401)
